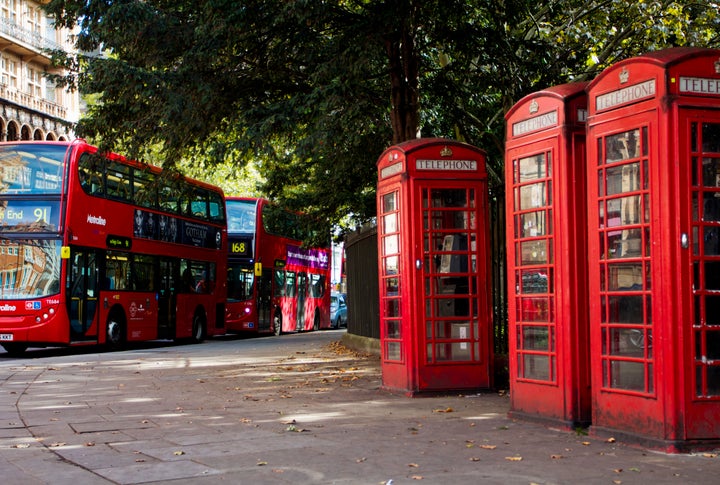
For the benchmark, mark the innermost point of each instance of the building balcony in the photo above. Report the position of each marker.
(35, 103)
(24, 42)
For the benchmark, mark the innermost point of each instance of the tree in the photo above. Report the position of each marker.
(316, 90)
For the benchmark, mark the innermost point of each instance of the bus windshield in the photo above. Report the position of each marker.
(31, 169)
(241, 216)
(32, 268)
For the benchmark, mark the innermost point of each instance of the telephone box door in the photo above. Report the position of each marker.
(453, 341)
(700, 151)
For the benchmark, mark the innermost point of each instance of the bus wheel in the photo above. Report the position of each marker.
(277, 322)
(115, 331)
(198, 330)
(15, 350)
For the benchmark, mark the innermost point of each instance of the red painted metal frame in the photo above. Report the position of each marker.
(546, 238)
(424, 346)
(665, 391)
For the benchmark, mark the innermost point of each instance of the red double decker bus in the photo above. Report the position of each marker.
(275, 283)
(97, 249)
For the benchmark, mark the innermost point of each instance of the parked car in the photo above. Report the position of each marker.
(338, 310)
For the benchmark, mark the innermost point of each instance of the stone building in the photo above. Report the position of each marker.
(31, 106)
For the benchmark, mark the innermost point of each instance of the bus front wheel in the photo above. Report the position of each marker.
(277, 322)
(115, 331)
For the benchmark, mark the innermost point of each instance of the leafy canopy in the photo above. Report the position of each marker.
(312, 91)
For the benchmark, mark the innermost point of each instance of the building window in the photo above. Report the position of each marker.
(34, 82)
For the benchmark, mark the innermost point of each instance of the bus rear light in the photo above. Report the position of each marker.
(38, 319)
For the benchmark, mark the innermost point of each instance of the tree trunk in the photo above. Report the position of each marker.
(403, 66)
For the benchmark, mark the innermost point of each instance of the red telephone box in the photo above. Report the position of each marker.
(654, 247)
(546, 250)
(433, 256)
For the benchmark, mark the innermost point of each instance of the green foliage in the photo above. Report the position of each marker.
(313, 91)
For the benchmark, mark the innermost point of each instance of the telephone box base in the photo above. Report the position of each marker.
(548, 422)
(665, 446)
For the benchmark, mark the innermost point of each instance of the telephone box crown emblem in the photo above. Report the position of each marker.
(446, 151)
(534, 107)
(624, 75)
(717, 66)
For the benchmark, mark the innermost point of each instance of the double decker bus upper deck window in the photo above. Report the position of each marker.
(241, 216)
(31, 180)
(31, 169)
(118, 180)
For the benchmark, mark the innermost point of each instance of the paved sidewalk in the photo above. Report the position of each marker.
(310, 416)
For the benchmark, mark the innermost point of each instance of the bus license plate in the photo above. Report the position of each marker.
(6, 337)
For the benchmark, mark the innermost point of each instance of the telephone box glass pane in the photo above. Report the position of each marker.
(390, 244)
(711, 206)
(533, 196)
(392, 329)
(626, 309)
(532, 224)
(449, 198)
(712, 241)
(388, 203)
(392, 308)
(627, 375)
(393, 351)
(534, 281)
(533, 252)
(533, 168)
(392, 286)
(390, 223)
(536, 367)
(625, 277)
(391, 265)
(622, 146)
(711, 137)
(623, 178)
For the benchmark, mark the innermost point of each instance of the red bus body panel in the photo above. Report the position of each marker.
(95, 224)
(295, 307)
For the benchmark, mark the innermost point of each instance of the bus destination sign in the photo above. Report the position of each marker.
(118, 242)
(241, 246)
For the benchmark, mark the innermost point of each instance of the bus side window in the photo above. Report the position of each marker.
(116, 271)
(90, 172)
(279, 282)
(118, 181)
(144, 273)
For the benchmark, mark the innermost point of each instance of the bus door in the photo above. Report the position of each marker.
(167, 296)
(83, 294)
(301, 298)
(264, 300)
